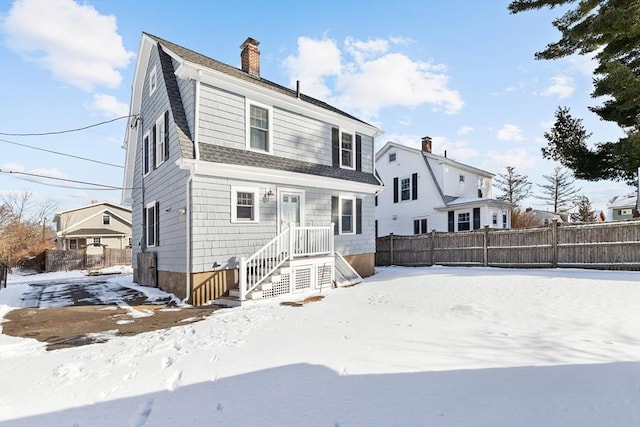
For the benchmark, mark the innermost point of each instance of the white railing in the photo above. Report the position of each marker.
(289, 244)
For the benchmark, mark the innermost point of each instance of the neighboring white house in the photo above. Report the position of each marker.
(94, 227)
(235, 181)
(425, 192)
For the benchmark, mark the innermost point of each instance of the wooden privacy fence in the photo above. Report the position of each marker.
(77, 259)
(610, 245)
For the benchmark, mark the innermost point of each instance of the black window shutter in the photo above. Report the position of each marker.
(143, 239)
(166, 134)
(376, 200)
(416, 226)
(451, 222)
(395, 190)
(335, 147)
(414, 186)
(476, 218)
(335, 217)
(358, 216)
(423, 225)
(146, 154)
(358, 152)
(154, 145)
(157, 230)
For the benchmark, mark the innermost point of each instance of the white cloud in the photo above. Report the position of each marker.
(76, 43)
(519, 158)
(584, 64)
(354, 83)
(18, 167)
(562, 86)
(458, 150)
(465, 130)
(316, 60)
(109, 105)
(510, 132)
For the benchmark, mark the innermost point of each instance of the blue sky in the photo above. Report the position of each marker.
(460, 71)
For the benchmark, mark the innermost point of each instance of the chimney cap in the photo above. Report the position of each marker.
(249, 42)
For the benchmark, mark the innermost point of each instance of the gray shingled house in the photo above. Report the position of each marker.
(241, 187)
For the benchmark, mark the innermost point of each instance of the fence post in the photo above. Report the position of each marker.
(391, 249)
(432, 246)
(554, 243)
(485, 249)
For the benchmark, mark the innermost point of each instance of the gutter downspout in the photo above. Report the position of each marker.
(196, 133)
(196, 118)
(188, 234)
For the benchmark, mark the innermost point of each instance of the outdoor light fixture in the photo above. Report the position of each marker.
(268, 195)
(182, 211)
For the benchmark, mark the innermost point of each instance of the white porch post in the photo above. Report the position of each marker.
(331, 238)
(292, 236)
(243, 279)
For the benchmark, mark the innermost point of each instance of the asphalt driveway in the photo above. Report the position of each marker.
(90, 310)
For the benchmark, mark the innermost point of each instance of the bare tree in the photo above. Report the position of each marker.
(514, 187)
(23, 227)
(559, 191)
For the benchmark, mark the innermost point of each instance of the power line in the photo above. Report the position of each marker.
(48, 184)
(68, 130)
(61, 154)
(108, 187)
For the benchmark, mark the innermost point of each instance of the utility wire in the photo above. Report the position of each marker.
(68, 130)
(69, 187)
(108, 187)
(62, 154)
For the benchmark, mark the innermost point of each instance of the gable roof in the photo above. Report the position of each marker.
(207, 62)
(124, 208)
(435, 157)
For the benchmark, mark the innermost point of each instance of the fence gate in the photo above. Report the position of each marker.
(147, 272)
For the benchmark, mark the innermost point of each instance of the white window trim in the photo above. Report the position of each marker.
(159, 153)
(458, 220)
(353, 214)
(108, 218)
(420, 218)
(76, 244)
(353, 148)
(269, 108)
(400, 179)
(256, 204)
(153, 80)
(149, 154)
(155, 226)
(395, 157)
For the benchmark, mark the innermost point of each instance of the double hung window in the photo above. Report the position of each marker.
(464, 221)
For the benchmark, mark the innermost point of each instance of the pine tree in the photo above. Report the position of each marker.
(609, 30)
(559, 192)
(514, 187)
(585, 212)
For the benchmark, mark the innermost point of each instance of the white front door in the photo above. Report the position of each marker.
(290, 209)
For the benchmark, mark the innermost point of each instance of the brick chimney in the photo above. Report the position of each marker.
(426, 144)
(250, 57)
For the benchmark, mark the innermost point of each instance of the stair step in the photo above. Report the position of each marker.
(255, 295)
(234, 293)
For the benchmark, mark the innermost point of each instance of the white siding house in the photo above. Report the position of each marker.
(229, 174)
(425, 192)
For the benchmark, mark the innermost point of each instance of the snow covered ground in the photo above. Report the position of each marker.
(409, 347)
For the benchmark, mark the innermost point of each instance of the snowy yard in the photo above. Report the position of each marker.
(409, 347)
